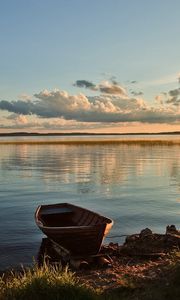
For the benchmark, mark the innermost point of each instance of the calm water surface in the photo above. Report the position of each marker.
(137, 186)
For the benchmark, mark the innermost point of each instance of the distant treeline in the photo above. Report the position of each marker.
(81, 133)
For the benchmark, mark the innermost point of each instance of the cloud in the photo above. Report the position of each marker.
(171, 97)
(19, 106)
(25, 97)
(174, 97)
(104, 108)
(174, 93)
(18, 119)
(137, 93)
(85, 84)
(32, 121)
(111, 87)
(179, 77)
(159, 99)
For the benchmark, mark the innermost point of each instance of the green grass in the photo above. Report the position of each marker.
(46, 282)
(53, 283)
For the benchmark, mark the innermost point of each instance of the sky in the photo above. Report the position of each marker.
(89, 66)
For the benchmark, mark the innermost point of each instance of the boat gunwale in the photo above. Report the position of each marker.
(73, 227)
(106, 222)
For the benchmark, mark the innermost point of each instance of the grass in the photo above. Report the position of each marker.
(53, 283)
(45, 282)
(142, 142)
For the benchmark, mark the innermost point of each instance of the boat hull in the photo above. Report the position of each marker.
(78, 241)
(79, 230)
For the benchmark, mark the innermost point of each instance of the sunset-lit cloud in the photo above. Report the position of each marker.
(58, 104)
(171, 97)
(160, 99)
(111, 87)
(25, 96)
(58, 109)
(18, 121)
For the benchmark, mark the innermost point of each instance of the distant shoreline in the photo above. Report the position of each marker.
(83, 134)
(78, 138)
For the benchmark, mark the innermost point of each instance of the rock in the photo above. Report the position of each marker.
(147, 243)
(79, 264)
(110, 249)
(131, 238)
(171, 229)
(103, 262)
(145, 232)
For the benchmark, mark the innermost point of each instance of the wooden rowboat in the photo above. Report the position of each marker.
(77, 229)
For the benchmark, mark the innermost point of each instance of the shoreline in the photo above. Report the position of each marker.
(21, 133)
(127, 278)
(127, 275)
(142, 142)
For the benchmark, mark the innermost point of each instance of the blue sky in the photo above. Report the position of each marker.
(52, 44)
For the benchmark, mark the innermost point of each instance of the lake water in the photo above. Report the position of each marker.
(136, 185)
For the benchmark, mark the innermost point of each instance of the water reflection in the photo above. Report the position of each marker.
(137, 186)
(97, 164)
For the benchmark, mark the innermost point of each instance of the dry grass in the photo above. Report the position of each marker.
(142, 142)
(53, 283)
(43, 283)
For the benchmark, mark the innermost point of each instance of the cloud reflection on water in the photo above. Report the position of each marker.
(95, 164)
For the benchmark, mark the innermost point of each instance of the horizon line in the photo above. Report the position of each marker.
(86, 133)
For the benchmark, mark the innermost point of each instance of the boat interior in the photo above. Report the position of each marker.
(68, 215)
